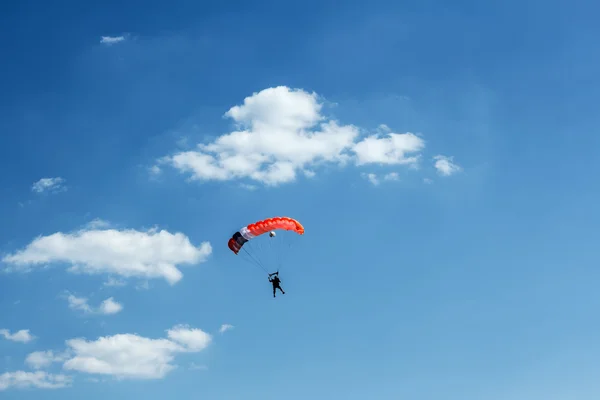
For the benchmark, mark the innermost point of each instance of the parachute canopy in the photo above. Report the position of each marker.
(258, 228)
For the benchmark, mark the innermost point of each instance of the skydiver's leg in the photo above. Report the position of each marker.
(282, 292)
(274, 291)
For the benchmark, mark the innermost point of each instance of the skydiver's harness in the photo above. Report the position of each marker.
(273, 281)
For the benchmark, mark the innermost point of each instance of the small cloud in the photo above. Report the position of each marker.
(196, 367)
(445, 165)
(427, 181)
(376, 180)
(22, 336)
(309, 174)
(225, 327)
(145, 285)
(97, 223)
(110, 40)
(191, 339)
(155, 170)
(78, 303)
(38, 379)
(248, 186)
(49, 185)
(114, 282)
(372, 178)
(383, 128)
(392, 176)
(43, 359)
(107, 307)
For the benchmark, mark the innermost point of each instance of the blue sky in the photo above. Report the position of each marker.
(469, 279)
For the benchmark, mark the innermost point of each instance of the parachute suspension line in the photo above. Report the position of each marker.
(259, 252)
(250, 259)
(256, 262)
(280, 259)
(274, 250)
(284, 249)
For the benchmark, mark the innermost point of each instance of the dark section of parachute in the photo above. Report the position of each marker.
(236, 242)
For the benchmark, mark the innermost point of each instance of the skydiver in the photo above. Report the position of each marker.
(275, 281)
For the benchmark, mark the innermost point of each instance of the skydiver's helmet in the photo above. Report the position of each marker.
(271, 234)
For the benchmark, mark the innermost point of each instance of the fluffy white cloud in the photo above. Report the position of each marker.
(107, 307)
(445, 166)
(128, 253)
(38, 379)
(42, 359)
(109, 40)
(191, 339)
(281, 131)
(22, 336)
(225, 327)
(390, 150)
(79, 303)
(49, 185)
(133, 356)
(110, 306)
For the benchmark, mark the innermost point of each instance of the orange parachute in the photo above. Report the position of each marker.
(266, 251)
(258, 228)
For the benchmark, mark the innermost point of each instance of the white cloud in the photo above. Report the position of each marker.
(97, 223)
(155, 170)
(22, 336)
(133, 356)
(192, 339)
(375, 180)
(114, 282)
(107, 307)
(110, 40)
(38, 379)
(372, 178)
(390, 150)
(248, 187)
(392, 176)
(127, 253)
(145, 285)
(49, 185)
(225, 327)
(281, 131)
(79, 303)
(42, 359)
(110, 306)
(445, 166)
(427, 181)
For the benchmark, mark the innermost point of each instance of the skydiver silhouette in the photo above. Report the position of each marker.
(275, 281)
